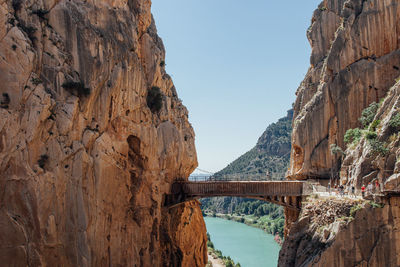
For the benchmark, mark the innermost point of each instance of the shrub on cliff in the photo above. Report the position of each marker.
(154, 99)
(336, 150)
(368, 114)
(395, 121)
(374, 125)
(378, 147)
(76, 88)
(352, 136)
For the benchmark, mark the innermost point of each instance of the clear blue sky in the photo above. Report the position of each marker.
(236, 66)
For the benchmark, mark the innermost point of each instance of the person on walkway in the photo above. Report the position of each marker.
(369, 188)
(363, 190)
(353, 191)
(377, 186)
(329, 188)
(341, 190)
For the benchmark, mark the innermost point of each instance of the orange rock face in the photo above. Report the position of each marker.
(355, 60)
(85, 154)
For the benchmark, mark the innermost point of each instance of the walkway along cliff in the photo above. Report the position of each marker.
(92, 134)
(355, 62)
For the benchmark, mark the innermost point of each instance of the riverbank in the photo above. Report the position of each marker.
(214, 261)
(216, 258)
(264, 223)
(249, 246)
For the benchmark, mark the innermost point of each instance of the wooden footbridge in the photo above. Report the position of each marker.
(285, 193)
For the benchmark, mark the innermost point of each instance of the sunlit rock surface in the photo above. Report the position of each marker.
(82, 175)
(355, 60)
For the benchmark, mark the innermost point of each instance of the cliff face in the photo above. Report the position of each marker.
(92, 134)
(355, 60)
(322, 238)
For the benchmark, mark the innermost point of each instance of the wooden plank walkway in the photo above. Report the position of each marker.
(286, 193)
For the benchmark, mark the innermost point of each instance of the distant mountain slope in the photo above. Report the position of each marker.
(269, 159)
(270, 156)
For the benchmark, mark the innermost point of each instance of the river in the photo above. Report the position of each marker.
(249, 246)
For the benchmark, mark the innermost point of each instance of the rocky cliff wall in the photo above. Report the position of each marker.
(367, 237)
(354, 63)
(92, 133)
(355, 60)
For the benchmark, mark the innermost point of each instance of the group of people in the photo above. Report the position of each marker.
(371, 189)
(341, 190)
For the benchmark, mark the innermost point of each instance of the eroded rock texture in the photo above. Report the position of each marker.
(323, 239)
(365, 162)
(85, 154)
(355, 60)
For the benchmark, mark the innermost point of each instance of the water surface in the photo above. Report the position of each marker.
(250, 246)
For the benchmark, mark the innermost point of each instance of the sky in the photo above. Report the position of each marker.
(236, 65)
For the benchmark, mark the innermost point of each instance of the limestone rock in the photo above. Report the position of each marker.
(84, 162)
(355, 60)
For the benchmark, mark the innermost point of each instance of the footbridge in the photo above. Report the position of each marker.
(285, 193)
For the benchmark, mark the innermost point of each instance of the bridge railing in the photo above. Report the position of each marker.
(231, 178)
(241, 188)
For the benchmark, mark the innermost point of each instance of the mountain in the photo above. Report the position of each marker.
(271, 154)
(269, 160)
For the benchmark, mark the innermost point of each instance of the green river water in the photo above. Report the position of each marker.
(250, 246)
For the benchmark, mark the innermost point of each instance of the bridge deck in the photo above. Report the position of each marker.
(242, 188)
(286, 193)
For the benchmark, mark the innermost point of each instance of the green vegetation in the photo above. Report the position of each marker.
(375, 205)
(354, 209)
(269, 160)
(154, 99)
(395, 121)
(76, 88)
(368, 114)
(270, 155)
(226, 259)
(369, 135)
(36, 81)
(266, 216)
(336, 150)
(378, 147)
(374, 125)
(353, 136)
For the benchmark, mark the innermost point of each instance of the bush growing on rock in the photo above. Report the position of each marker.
(395, 121)
(371, 135)
(336, 150)
(154, 99)
(374, 125)
(368, 114)
(352, 136)
(76, 88)
(378, 147)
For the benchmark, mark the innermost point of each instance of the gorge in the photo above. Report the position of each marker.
(93, 135)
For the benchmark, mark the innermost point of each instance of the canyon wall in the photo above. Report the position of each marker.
(355, 60)
(327, 235)
(92, 133)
